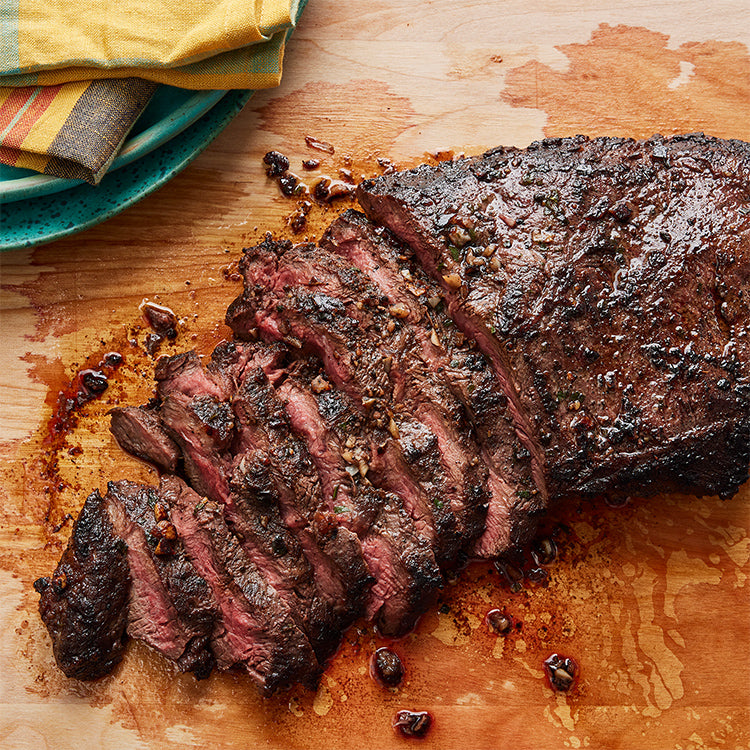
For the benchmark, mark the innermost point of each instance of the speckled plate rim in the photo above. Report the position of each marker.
(32, 186)
(51, 217)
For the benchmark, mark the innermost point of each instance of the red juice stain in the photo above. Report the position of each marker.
(85, 386)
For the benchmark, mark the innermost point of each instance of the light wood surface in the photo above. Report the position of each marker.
(650, 599)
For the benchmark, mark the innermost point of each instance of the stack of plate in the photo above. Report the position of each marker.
(175, 127)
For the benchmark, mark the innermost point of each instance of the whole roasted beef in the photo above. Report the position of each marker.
(495, 333)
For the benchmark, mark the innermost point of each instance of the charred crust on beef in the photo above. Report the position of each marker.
(663, 217)
(238, 451)
(84, 603)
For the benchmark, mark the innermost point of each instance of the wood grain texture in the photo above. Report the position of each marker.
(650, 599)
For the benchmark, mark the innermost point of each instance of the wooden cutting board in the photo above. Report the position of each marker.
(650, 599)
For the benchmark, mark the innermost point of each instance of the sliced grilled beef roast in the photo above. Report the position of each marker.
(607, 281)
(308, 297)
(237, 450)
(256, 630)
(273, 464)
(527, 324)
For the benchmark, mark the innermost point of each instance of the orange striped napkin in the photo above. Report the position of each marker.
(73, 130)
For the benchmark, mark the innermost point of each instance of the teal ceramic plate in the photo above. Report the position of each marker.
(169, 112)
(44, 218)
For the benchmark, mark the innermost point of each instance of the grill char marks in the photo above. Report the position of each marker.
(514, 499)
(256, 630)
(401, 562)
(171, 607)
(606, 279)
(247, 460)
(84, 603)
(270, 457)
(317, 301)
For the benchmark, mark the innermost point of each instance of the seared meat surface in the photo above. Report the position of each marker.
(607, 281)
(84, 603)
(495, 334)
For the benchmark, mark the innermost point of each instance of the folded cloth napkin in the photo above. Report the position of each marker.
(73, 130)
(73, 83)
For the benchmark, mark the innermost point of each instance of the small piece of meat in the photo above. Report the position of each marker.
(256, 630)
(139, 432)
(195, 412)
(607, 280)
(84, 603)
(171, 607)
(185, 373)
(203, 427)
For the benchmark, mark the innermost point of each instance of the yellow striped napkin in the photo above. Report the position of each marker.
(73, 83)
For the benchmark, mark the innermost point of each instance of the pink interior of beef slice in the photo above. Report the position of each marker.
(607, 281)
(331, 308)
